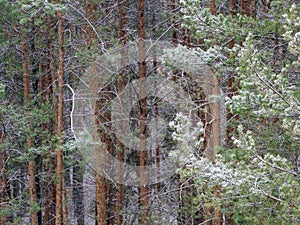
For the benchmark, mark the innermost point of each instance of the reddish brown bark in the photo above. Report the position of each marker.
(101, 200)
(31, 162)
(90, 10)
(100, 181)
(48, 80)
(213, 7)
(59, 119)
(246, 7)
(143, 159)
(120, 192)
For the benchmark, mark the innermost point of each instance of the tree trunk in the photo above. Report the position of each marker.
(214, 139)
(65, 203)
(143, 159)
(120, 154)
(49, 160)
(155, 66)
(59, 119)
(2, 172)
(213, 7)
(100, 181)
(31, 162)
(101, 200)
(78, 195)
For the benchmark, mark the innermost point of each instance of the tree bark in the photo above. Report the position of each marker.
(2, 172)
(31, 162)
(100, 181)
(78, 195)
(214, 138)
(59, 119)
(245, 7)
(49, 159)
(120, 154)
(143, 159)
(155, 67)
(213, 7)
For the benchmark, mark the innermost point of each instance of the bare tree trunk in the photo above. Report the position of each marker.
(65, 204)
(100, 181)
(49, 160)
(212, 94)
(155, 66)
(78, 195)
(59, 117)
(143, 159)
(2, 172)
(31, 162)
(120, 154)
(214, 139)
(101, 200)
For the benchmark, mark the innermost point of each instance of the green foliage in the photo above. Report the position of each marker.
(258, 179)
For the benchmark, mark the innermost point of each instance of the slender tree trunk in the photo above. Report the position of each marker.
(31, 162)
(2, 172)
(65, 203)
(59, 117)
(120, 154)
(155, 66)
(100, 181)
(212, 92)
(49, 160)
(101, 200)
(78, 195)
(214, 139)
(143, 159)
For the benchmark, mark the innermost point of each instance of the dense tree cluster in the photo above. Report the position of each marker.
(198, 102)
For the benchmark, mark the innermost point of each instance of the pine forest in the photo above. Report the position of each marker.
(150, 112)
